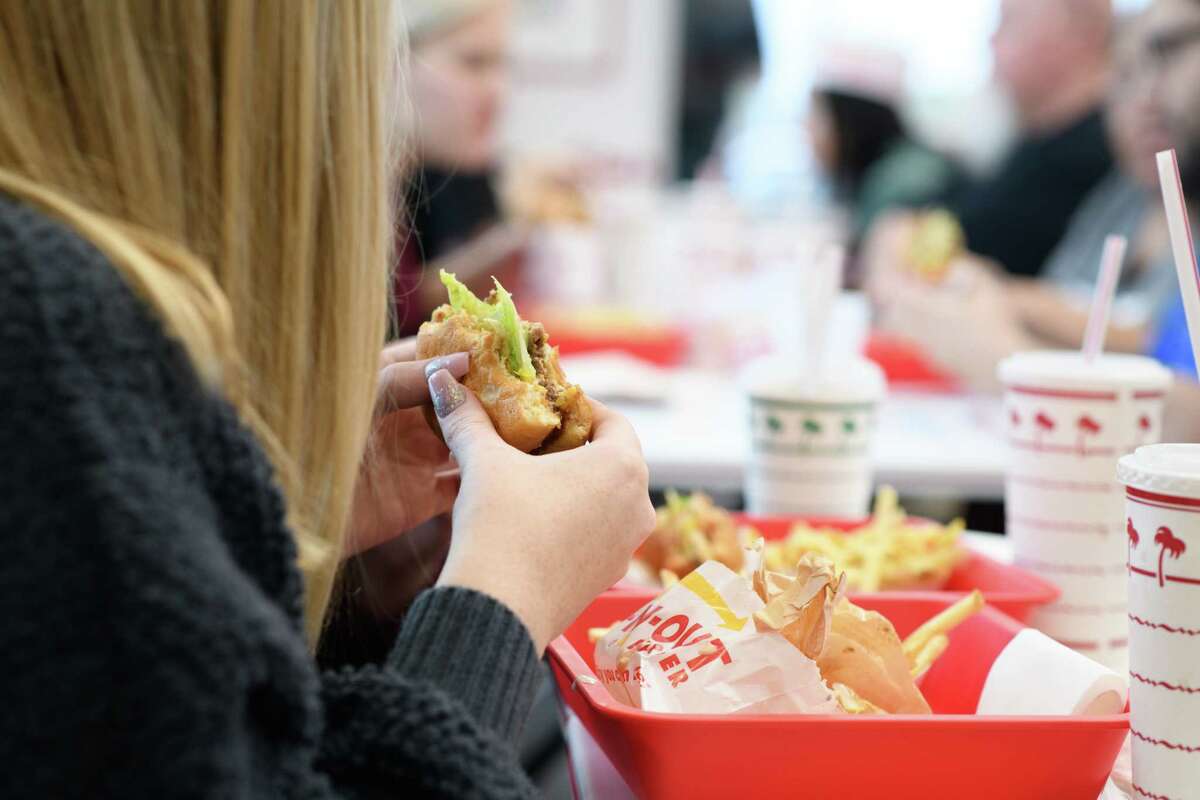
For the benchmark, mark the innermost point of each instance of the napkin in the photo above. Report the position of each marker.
(1035, 675)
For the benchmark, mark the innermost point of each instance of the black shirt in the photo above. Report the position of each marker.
(1017, 215)
(447, 209)
(151, 634)
(441, 212)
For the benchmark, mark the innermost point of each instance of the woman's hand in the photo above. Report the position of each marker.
(407, 477)
(542, 534)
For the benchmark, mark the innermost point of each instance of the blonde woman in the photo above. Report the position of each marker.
(194, 236)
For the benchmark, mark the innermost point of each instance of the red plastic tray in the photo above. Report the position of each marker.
(667, 347)
(904, 363)
(950, 754)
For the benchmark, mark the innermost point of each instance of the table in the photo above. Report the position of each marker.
(928, 445)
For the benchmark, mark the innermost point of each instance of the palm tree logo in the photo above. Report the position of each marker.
(1144, 426)
(1134, 538)
(1168, 543)
(1044, 425)
(1087, 427)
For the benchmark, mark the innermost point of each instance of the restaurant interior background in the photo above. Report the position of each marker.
(686, 209)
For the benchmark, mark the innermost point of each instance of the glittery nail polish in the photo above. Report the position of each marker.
(455, 363)
(433, 366)
(447, 394)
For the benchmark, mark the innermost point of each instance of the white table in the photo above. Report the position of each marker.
(929, 445)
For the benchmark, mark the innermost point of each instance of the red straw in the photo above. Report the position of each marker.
(1102, 300)
(1181, 244)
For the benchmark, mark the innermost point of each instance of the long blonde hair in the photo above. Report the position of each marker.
(233, 159)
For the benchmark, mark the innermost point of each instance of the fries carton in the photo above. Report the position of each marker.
(697, 649)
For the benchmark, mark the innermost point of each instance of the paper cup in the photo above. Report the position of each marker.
(811, 439)
(1162, 517)
(1068, 421)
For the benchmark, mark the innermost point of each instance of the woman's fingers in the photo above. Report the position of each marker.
(404, 384)
(399, 350)
(465, 425)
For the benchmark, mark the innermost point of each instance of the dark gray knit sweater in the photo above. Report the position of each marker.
(150, 609)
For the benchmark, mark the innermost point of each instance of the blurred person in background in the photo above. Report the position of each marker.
(720, 66)
(1052, 61)
(201, 430)
(460, 52)
(1128, 203)
(860, 142)
(981, 316)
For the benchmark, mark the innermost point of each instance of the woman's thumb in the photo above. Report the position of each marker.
(465, 425)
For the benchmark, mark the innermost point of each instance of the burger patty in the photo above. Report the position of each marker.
(535, 341)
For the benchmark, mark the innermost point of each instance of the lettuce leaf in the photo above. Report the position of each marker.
(502, 314)
(463, 299)
(519, 362)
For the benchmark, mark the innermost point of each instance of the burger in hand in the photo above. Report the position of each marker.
(513, 370)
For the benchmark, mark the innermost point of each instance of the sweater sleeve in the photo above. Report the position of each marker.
(473, 649)
(140, 657)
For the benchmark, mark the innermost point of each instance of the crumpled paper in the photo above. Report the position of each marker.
(711, 645)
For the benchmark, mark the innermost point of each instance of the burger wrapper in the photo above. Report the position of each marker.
(695, 649)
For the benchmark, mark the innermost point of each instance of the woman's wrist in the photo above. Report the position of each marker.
(505, 588)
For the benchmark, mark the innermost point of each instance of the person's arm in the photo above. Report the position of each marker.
(380, 732)
(964, 323)
(1051, 317)
(1181, 419)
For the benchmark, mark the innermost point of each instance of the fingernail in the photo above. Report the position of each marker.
(447, 394)
(455, 363)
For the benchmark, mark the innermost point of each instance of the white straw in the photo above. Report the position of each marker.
(1181, 244)
(1102, 300)
(825, 280)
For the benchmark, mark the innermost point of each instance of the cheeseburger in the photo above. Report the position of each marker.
(514, 371)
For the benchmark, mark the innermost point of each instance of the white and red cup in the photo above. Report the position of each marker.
(1068, 421)
(811, 438)
(1162, 520)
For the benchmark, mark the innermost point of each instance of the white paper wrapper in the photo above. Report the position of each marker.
(1036, 675)
(695, 649)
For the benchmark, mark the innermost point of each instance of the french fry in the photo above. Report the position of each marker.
(928, 654)
(942, 623)
(887, 552)
(667, 578)
(596, 634)
(871, 574)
